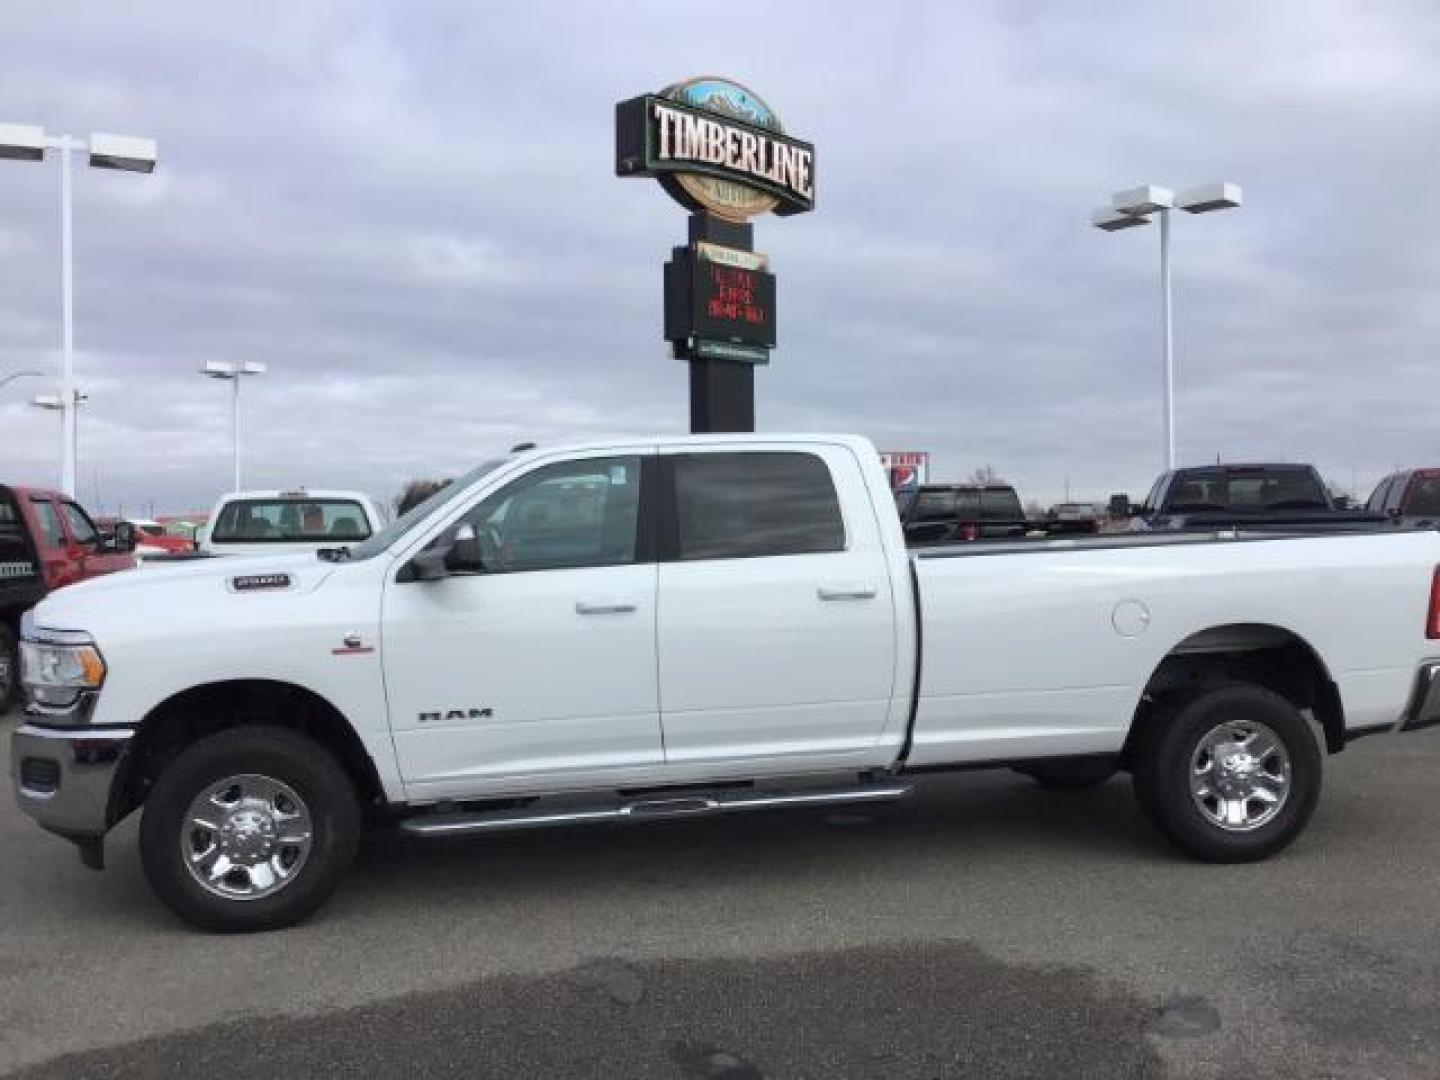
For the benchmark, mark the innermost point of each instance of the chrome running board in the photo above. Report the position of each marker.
(619, 811)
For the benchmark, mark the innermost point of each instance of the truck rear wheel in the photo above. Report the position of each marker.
(9, 668)
(1231, 775)
(249, 829)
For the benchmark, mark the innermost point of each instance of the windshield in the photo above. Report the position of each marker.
(387, 536)
(1273, 489)
(291, 519)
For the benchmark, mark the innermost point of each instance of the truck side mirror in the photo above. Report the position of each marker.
(464, 554)
(455, 552)
(123, 538)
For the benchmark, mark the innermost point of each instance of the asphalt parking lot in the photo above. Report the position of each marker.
(989, 929)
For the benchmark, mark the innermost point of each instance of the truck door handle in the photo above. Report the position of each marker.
(604, 607)
(846, 592)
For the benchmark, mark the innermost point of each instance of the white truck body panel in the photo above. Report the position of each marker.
(743, 668)
(1024, 658)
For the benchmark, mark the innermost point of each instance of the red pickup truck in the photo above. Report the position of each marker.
(46, 541)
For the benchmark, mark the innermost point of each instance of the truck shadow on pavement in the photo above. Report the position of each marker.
(895, 1011)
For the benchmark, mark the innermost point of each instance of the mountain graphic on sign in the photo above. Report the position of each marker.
(732, 102)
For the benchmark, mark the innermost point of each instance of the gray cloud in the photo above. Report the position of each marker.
(409, 213)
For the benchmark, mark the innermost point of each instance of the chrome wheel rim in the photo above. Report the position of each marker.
(246, 837)
(1240, 776)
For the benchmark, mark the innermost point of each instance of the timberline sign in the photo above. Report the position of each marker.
(715, 145)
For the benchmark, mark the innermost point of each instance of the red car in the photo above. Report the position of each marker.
(46, 541)
(152, 539)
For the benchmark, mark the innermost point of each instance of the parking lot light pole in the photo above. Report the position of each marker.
(1135, 207)
(28, 142)
(220, 369)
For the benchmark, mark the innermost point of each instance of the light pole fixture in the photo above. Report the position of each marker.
(56, 403)
(221, 369)
(1134, 207)
(21, 375)
(28, 142)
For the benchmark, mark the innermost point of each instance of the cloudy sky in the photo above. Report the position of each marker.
(409, 212)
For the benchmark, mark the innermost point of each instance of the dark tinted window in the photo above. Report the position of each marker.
(733, 506)
(1000, 504)
(562, 516)
(291, 520)
(51, 531)
(1423, 497)
(934, 505)
(1272, 489)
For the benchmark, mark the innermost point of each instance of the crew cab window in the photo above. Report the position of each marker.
(50, 527)
(743, 505)
(562, 516)
(290, 520)
(81, 527)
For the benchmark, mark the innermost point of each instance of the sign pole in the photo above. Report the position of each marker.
(722, 392)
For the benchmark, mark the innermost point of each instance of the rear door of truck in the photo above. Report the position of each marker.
(776, 613)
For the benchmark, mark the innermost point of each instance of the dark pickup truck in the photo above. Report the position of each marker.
(953, 513)
(46, 541)
(1248, 496)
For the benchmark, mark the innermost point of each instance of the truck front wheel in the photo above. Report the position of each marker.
(249, 829)
(1231, 775)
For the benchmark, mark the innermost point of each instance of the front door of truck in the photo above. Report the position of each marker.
(540, 669)
(777, 619)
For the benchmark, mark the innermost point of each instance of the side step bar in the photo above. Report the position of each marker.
(457, 823)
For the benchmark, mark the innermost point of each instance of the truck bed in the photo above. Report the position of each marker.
(1050, 655)
(1110, 541)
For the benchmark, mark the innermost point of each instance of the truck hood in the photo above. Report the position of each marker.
(147, 594)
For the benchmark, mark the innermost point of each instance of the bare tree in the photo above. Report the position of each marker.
(415, 492)
(986, 474)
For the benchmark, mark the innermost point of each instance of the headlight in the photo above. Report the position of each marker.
(55, 672)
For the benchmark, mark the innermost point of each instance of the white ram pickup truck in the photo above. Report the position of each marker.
(692, 625)
(281, 522)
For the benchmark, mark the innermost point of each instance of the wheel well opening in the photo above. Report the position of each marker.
(203, 710)
(1255, 653)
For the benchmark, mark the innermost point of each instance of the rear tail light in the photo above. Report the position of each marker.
(1432, 623)
(972, 532)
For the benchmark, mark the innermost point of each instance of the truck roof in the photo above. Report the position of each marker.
(295, 493)
(25, 492)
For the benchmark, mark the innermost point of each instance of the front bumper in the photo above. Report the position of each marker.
(1424, 708)
(64, 776)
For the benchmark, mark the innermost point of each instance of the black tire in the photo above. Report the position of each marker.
(1070, 774)
(1165, 753)
(292, 759)
(9, 668)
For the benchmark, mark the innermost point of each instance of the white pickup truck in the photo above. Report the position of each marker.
(280, 522)
(642, 630)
